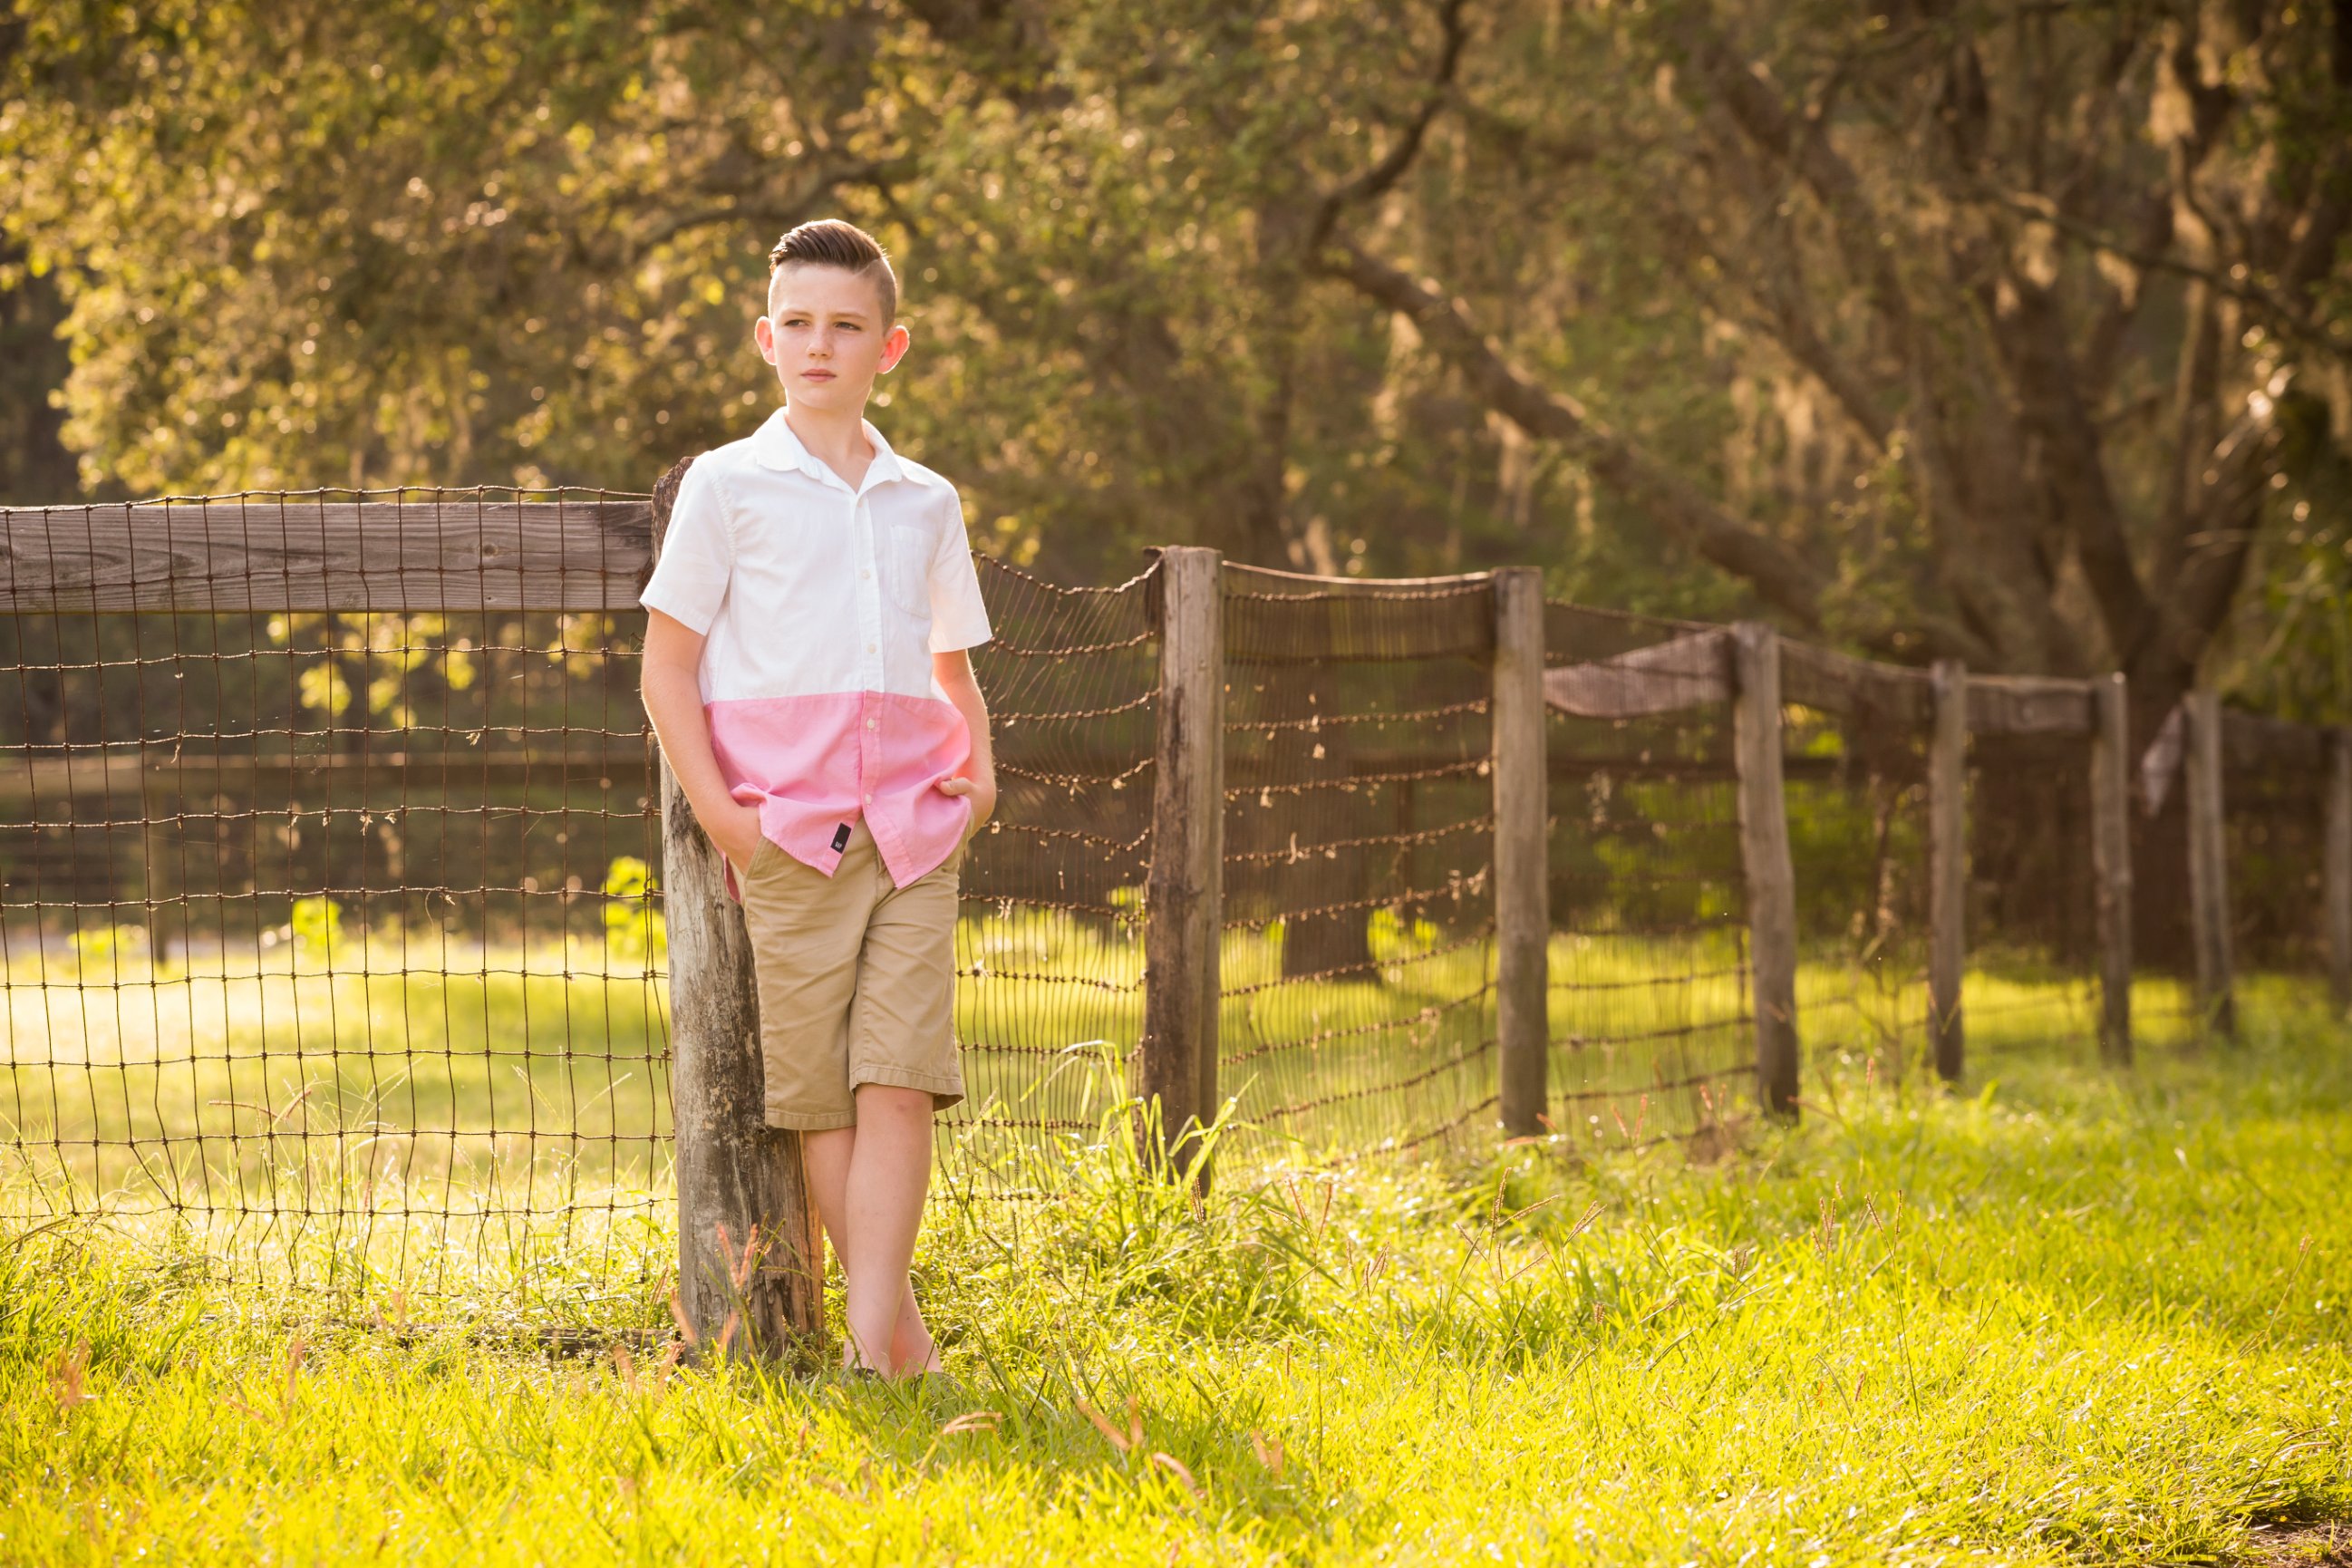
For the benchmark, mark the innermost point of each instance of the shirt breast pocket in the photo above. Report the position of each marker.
(909, 547)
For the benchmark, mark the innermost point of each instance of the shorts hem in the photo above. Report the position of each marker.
(809, 1120)
(944, 1090)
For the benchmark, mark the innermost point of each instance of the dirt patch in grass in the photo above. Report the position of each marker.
(2301, 1545)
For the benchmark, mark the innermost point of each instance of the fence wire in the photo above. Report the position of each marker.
(2032, 977)
(1357, 992)
(329, 939)
(333, 942)
(1650, 1015)
(2275, 816)
(1049, 950)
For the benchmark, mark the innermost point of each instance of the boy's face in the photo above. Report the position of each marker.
(824, 335)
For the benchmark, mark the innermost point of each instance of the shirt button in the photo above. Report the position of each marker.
(869, 724)
(869, 647)
(862, 574)
(869, 797)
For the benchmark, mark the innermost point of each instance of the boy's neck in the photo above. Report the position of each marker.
(835, 438)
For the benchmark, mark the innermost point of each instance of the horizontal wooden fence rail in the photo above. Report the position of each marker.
(263, 553)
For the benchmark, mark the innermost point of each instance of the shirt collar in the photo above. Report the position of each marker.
(776, 446)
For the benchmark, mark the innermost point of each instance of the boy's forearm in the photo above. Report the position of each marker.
(674, 702)
(965, 695)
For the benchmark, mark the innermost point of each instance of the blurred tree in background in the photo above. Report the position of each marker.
(2000, 330)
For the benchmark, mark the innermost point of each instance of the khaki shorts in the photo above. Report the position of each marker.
(856, 981)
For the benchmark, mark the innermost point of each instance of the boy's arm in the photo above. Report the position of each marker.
(673, 693)
(978, 775)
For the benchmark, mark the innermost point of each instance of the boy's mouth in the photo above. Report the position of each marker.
(816, 376)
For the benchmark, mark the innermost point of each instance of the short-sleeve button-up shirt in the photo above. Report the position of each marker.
(821, 606)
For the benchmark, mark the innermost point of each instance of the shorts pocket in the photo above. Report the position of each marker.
(761, 856)
(908, 550)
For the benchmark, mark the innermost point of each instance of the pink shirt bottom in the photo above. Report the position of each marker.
(813, 766)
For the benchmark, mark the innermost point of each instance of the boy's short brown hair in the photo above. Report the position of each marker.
(831, 242)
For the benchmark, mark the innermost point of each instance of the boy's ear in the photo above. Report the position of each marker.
(894, 347)
(764, 332)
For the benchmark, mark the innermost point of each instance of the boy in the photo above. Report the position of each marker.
(805, 669)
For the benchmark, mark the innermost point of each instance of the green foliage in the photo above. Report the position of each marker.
(1393, 939)
(97, 950)
(374, 244)
(634, 930)
(318, 926)
(383, 243)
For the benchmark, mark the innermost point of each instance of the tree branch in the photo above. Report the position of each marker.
(1764, 120)
(1787, 580)
(1769, 273)
(2278, 312)
(1780, 576)
(1383, 176)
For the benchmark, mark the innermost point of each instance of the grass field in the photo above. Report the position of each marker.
(2065, 1316)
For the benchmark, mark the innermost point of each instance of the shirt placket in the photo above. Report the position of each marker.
(869, 666)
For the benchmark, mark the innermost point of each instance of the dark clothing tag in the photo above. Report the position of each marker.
(841, 839)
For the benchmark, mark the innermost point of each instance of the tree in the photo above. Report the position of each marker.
(2058, 278)
(1966, 327)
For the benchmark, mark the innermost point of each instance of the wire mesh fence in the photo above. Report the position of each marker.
(1650, 1014)
(332, 927)
(2034, 959)
(1356, 962)
(1049, 950)
(329, 941)
(1855, 742)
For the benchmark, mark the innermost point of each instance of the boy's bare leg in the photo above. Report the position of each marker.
(911, 1346)
(869, 1183)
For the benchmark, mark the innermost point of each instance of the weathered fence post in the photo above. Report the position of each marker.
(1522, 864)
(1764, 856)
(1182, 896)
(2336, 874)
(1947, 861)
(2208, 877)
(2111, 860)
(749, 1249)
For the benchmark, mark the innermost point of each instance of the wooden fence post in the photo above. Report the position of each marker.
(1183, 899)
(1948, 862)
(749, 1249)
(2208, 877)
(1764, 856)
(1522, 892)
(2336, 874)
(2110, 770)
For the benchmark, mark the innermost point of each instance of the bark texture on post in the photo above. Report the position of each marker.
(1522, 894)
(1182, 896)
(2209, 878)
(1948, 862)
(2337, 876)
(1764, 856)
(749, 1249)
(2111, 865)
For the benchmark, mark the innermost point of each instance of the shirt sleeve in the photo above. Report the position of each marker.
(958, 618)
(697, 554)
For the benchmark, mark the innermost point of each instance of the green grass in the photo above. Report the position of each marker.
(428, 1115)
(2065, 1316)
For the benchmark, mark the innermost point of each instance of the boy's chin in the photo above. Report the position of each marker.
(827, 398)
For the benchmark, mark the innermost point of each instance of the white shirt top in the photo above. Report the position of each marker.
(806, 587)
